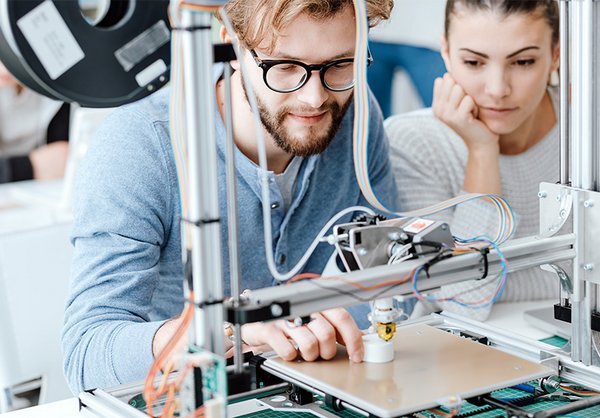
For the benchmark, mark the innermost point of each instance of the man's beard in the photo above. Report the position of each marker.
(312, 143)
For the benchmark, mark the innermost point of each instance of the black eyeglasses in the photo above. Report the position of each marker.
(286, 76)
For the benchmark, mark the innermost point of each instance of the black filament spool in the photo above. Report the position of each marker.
(126, 55)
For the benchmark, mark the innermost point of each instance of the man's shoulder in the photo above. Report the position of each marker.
(154, 108)
(136, 123)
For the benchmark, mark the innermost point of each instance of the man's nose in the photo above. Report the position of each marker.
(313, 93)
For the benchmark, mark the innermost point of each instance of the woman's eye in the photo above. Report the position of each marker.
(525, 63)
(471, 63)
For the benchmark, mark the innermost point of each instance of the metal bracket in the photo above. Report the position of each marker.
(556, 202)
(283, 404)
(566, 283)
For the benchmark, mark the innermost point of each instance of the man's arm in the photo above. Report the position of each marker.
(122, 279)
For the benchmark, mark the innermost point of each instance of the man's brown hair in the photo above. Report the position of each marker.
(257, 20)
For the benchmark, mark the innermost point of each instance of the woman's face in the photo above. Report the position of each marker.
(502, 62)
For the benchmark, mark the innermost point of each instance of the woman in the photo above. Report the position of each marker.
(33, 133)
(492, 129)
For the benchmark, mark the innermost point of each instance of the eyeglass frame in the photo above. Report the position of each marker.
(266, 65)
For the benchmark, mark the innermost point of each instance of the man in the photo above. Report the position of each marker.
(127, 273)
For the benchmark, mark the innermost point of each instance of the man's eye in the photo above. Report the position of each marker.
(286, 67)
(342, 65)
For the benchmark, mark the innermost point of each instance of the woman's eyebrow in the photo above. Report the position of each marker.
(481, 54)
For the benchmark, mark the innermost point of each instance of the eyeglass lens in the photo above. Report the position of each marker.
(288, 76)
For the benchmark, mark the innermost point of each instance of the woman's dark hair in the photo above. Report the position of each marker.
(544, 8)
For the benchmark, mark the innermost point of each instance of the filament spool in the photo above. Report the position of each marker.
(53, 49)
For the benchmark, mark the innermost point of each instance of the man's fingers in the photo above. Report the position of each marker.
(325, 334)
(314, 340)
(271, 334)
(307, 343)
(348, 332)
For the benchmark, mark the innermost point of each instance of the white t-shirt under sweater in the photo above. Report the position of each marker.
(429, 161)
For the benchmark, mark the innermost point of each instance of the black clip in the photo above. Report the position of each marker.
(201, 222)
(484, 257)
(439, 257)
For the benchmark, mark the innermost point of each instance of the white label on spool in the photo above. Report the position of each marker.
(150, 72)
(50, 38)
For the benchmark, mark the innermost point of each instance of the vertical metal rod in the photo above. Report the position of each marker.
(582, 165)
(232, 216)
(586, 92)
(574, 125)
(592, 291)
(565, 99)
(203, 193)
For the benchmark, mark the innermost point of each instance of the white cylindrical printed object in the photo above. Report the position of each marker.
(377, 350)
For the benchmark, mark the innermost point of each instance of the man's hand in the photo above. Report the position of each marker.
(317, 339)
(164, 334)
(458, 110)
(49, 161)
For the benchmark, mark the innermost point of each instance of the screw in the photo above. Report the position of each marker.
(588, 203)
(588, 267)
(150, 87)
(276, 310)
(394, 236)
(161, 78)
(563, 213)
(550, 384)
(542, 194)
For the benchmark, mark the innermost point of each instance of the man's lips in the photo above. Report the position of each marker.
(308, 118)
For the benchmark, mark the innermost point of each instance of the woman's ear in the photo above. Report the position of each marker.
(445, 51)
(554, 77)
(556, 58)
(226, 39)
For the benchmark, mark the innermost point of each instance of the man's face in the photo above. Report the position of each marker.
(305, 121)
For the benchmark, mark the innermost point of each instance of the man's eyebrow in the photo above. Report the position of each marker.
(283, 55)
(481, 54)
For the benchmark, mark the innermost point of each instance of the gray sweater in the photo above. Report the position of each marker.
(429, 159)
